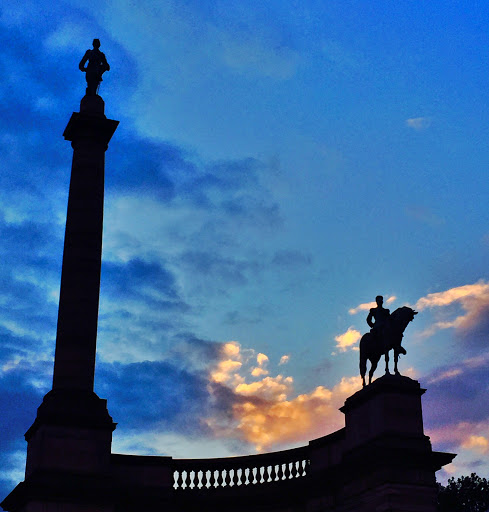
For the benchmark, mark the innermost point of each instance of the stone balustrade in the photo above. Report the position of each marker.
(268, 468)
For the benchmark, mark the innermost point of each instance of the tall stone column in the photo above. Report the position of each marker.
(89, 132)
(69, 443)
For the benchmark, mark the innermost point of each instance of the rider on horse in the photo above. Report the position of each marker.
(381, 316)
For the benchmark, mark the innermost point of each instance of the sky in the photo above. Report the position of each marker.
(277, 165)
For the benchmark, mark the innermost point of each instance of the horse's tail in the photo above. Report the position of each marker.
(363, 355)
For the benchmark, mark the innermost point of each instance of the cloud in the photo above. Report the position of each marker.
(419, 123)
(425, 215)
(256, 54)
(456, 392)
(67, 36)
(463, 435)
(348, 339)
(291, 258)
(260, 370)
(157, 395)
(477, 443)
(265, 413)
(472, 298)
(366, 306)
(448, 374)
(284, 359)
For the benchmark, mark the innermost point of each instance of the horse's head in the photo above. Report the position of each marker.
(402, 316)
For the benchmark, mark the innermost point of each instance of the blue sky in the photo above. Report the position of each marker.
(277, 166)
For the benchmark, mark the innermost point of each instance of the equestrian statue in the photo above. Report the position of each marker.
(386, 334)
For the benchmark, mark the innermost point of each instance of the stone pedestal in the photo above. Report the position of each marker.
(388, 463)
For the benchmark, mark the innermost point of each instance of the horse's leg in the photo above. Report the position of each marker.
(387, 362)
(396, 358)
(363, 366)
(373, 366)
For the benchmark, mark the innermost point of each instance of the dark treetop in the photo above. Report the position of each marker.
(96, 66)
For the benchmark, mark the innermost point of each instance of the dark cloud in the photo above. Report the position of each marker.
(291, 258)
(18, 405)
(236, 317)
(193, 353)
(226, 269)
(156, 394)
(476, 333)
(150, 282)
(457, 398)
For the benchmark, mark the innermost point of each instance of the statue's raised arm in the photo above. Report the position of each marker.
(94, 65)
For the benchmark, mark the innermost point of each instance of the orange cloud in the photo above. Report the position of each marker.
(283, 421)
(284, 359)
(366, 306)
(259, 372)
(262, 361)
(266, 413)
(479, 444)
(348, 339)
(467, 435)
(226, 370)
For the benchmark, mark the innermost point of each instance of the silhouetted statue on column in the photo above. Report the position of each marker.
(96, 67)
(386, 334)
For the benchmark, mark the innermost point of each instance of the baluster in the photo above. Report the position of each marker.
(275, 476)
(176, 479)
(220, 479)
(280, 471)
(212, 478)
(205, 479)
(295, 469)
(287, 470)
(246, 476)
(235, 480)
(261, 471)
(269, 474)
(227, 478)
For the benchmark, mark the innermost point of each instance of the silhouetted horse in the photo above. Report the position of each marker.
(373, 346)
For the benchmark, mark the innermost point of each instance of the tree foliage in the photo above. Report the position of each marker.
(466, 494)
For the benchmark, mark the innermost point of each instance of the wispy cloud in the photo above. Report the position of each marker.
(458, 370)
(366, 306)
(472, 298)
(473, 436)
(419, 123)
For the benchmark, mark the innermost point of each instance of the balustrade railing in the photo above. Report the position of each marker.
(195, 474)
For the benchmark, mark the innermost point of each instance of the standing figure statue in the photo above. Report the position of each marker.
(386, 334)
(96, 67)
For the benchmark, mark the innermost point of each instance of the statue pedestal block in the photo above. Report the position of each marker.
(388, 461)
(391, 404)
